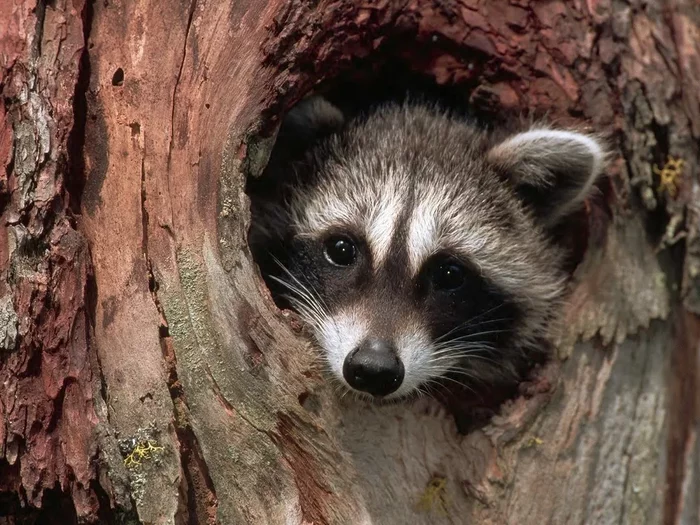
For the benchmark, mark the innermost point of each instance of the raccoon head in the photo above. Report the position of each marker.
(415, 245)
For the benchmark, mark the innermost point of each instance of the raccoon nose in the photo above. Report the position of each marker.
(374, 367)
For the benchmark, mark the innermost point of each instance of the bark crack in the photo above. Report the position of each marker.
(638, 396)
(190, 16)
(197, 487)
(228, 406)
(144, 224)
(681, 406)
(39, 33)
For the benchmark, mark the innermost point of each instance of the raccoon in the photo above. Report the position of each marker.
(417, 246)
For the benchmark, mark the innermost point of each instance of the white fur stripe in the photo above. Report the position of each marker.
(381, 227)
(339, 335)
(422, 234)
(438, 224)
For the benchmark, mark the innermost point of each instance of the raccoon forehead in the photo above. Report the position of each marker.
(494, 234)
(373, 209)
(465, 224)
(476, 217)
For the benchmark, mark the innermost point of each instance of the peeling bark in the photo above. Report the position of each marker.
(146, 375)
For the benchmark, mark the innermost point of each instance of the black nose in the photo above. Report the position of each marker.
(374, 367)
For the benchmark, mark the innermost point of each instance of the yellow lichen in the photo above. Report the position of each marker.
(142, 451)
(434, 496)
(534, 441)
(670, 176)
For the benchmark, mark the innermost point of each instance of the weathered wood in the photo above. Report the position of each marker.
(47, 435)
(146, 373)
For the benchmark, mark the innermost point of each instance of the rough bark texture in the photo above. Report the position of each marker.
(145, 373)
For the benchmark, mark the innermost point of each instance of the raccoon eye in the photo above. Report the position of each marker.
(340, 251)
(448, 275)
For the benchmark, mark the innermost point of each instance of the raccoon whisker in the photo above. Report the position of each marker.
(313, 290)
(309, 315)
(453, 356)
(303, 301)
(302, 293)
(480, 343)
(464, 349)
(461, 346)
(418, 393)
(440, 369)
(436, 385)
(450, 370)
(427, 388)
(297, 282)
(481, 351)
(413, 395)
(490, 321)
(310, 311)
(471, 320)
(469, 336)
(423, 391)
(293, 288)
(431, 383)
(298, 300)
(460, 383)
(446, 338)
(468, 378)
(315, 301)
(460, 355)
(502, 372)
(466, 326)
(497, 364)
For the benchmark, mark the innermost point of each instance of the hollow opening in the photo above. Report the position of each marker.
(359, 89)
(57, 508)
(118, 77)
(313, 290)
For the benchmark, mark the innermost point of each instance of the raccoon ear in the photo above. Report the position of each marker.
(553, 170)
(306, 123)
(310, 120)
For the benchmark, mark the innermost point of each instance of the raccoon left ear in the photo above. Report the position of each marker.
(553, 170)
(310, 120)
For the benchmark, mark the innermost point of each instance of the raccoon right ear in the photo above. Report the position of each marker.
(553, 170)
(309, 121)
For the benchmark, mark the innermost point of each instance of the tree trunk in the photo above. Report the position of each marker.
(147, 376)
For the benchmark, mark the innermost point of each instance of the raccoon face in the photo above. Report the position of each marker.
(417, 247)
(387, 327)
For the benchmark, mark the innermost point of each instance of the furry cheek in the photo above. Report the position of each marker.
(421, 363)
(338, 335)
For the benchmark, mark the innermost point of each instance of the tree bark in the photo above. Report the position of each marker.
(145, 373)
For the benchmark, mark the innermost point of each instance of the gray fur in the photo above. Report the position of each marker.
(410, 181)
